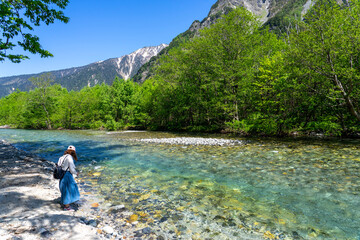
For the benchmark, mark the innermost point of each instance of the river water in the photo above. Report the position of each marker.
(300, 189)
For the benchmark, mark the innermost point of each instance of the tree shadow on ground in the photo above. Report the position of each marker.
(33, 215)
(13, 180)
(28, 202)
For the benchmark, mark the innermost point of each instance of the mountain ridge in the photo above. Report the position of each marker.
(76, 78)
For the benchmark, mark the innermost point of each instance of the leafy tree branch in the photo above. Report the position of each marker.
(18, 18)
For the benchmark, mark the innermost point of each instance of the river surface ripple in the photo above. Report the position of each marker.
(282, 188)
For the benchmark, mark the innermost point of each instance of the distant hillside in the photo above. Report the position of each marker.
(96, 73)
(273, 13)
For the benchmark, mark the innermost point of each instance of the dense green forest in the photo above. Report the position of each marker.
(235, 76)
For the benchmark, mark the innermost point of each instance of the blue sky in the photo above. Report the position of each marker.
(99, 30)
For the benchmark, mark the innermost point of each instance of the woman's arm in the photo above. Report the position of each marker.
(71, 165)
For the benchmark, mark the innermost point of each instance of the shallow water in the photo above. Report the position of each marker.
(303, 189)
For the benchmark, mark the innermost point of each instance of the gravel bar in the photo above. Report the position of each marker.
(194, 141)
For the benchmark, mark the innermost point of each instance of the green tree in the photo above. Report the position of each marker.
(19, 17)
(58, 109)
(42, 96)
(93, 108)
(326, 48)
(73, 112)
(275, 97)
(210, 78)
(12, 108)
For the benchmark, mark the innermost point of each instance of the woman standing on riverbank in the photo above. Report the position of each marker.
(68, 187)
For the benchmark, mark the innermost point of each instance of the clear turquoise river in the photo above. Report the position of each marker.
(303, 189)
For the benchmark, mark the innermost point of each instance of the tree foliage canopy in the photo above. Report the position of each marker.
(19, 17)
(328, 47)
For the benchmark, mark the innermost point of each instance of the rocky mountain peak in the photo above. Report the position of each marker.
(128, 65)
(258, 7)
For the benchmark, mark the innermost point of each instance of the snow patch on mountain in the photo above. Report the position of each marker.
(128, 65)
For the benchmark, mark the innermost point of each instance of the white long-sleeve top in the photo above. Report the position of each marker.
(67, 163)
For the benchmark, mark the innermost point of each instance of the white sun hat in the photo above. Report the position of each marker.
(71, 147)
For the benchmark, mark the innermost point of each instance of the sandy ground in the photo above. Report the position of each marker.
(30, 201)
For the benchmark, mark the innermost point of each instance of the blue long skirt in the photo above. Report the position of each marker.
(69, 189)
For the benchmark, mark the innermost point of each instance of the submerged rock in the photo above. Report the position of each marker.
(138, 234)
(117, 208)
(92, 222)
(146, 230)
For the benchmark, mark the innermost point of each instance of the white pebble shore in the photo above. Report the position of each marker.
(193, 141)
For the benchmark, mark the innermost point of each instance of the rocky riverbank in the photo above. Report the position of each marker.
(29, 201)
(30, 204)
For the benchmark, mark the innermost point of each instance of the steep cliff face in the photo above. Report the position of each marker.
(96, 73)
(260, 8)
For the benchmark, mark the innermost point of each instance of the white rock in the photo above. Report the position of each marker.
(127, 214)
(108, 230)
